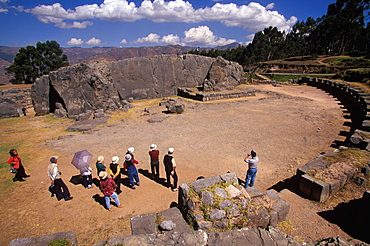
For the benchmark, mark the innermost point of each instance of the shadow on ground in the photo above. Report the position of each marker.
(352, 217)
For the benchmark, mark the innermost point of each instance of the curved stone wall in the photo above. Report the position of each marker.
(357, 102)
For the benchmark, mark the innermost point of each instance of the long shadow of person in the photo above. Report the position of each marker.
(96, 182)
(76, 179)
(147, 174)
(99, 200)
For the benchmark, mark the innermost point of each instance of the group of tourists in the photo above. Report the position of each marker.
(110, 176)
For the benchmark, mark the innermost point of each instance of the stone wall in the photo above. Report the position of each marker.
(184, 92)
(322, 189)
(106, 85)
(13, 100)
(219, 203)
(358, 103)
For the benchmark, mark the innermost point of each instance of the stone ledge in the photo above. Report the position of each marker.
(46, 239)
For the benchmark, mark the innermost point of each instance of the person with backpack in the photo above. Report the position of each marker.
(170, 168)
(252, 169)
(108, 187)
(133, 175)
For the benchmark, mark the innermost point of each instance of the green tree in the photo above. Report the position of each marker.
(340, 30)
(33, 62)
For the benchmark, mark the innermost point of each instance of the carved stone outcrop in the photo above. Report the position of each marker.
(109, 85)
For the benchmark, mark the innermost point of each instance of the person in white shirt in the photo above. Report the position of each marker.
(252, 169)
(56, 180)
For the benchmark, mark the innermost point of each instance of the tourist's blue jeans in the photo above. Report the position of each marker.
(251, 176)
(133, 176)
(115, 198)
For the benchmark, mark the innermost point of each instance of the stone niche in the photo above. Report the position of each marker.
(219, 203)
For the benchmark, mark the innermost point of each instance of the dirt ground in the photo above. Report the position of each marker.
(287, 126)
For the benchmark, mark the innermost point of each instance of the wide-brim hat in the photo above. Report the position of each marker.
(130, 150)
(115, 159)
(128, 157)
(153, 146)
(103, 175)
(171, 150)
(100, 159)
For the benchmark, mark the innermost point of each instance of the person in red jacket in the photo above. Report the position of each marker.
(108, 187)
(16, 163)
(154, 161)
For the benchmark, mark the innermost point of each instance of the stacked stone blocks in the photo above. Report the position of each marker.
(219, 203)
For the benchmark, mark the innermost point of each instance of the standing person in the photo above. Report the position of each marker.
(108, 187)
(56, 180)
(115, 172)
(133, 175)
(252, 168)
(170, 167)
(16, 163)
(131, 152)
(154, 161)
(87, 177)
(100, 165)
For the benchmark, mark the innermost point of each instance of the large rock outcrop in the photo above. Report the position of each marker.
(106, 85)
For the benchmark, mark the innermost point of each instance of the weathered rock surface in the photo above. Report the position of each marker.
(45, 240)
(103, 85)
(13, 100)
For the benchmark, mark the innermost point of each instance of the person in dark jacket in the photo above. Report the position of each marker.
(115, 172)
(100, 165)
(170, 167)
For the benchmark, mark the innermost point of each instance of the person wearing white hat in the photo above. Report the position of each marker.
(170, 167)
(130, 151)
(100, 164)
(108, 187)
(154, 161)
(115, 172)
(56, 180)
(133, 175)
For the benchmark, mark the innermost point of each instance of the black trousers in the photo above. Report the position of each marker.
(175, 179)
(21, 173)
(155, 168)
(59, 186)
(118, 181)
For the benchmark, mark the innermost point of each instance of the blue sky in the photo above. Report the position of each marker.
(124, 23)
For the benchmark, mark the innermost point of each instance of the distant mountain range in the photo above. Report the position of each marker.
(77, 55)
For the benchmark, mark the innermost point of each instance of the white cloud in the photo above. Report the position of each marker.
(199, 36)
(250, 37)
(75, 41)
(4, 1)
(253, 16)
(170, 39)
(203, 36)
(93, 41)
(171, 11)
(3, 10)
(123, 41)
(270, 6)
(75, 24)
(152, 38)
